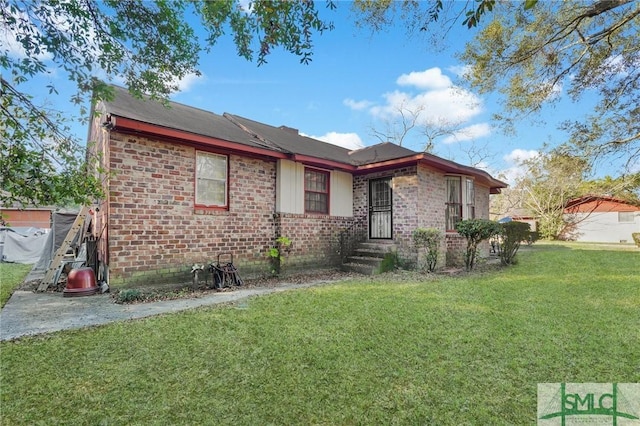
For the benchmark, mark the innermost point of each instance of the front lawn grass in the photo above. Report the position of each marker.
(11, 276)
(393, 349)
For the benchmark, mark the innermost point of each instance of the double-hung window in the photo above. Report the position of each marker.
(211, 180)
(453, 213)
(460, 201)
(316, 191)
(470, 201)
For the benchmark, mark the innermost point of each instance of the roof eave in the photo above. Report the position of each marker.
(127, 125)
(322, 162)
(441, 164)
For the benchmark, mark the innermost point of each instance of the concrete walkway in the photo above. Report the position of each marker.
(28, 313)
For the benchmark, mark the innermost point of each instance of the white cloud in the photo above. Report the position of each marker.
(345, 140)
(431, 78)
(426, 98)
(14, 48)
(475, 131)
(517, 156)
(460, 70)
(188, 81)
(357, 105)
(515, 159)
(449, 105)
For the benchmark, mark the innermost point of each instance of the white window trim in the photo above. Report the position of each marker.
(226, 181)
(464, 201)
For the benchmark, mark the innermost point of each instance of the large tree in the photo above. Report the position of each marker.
(150, 45)
(550, 181)
(533, 53)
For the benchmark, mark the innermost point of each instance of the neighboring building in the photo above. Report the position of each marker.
(185, 185)
(30, 217)
(519, 215)
(601, 219)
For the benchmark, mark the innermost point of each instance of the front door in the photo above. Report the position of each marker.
(380, 209)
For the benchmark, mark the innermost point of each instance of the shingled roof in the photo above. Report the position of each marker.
(189, 124)
(178, 116)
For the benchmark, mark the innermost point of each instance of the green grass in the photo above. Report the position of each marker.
(11, 276)
(394, 349)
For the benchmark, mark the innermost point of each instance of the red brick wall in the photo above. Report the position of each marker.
(432, 205)
(410, 196)
(419, 202)
(315, 239)
(156, 234)
(456, 246)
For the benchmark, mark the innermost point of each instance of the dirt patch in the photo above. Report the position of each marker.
(182, 290)
(188, 290)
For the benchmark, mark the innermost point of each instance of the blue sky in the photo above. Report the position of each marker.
(357, 82)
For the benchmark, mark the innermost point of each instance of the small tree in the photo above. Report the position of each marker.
(475, 231)
(429, 240)
(512, 233)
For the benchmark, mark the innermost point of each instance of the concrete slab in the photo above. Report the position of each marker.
(28, 313)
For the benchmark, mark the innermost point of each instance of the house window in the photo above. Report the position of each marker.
(453, 213)
(211, 180)
(626, 217)
(316, 191)
(470, 200)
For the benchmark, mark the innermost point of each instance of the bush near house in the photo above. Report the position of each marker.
(636, 238)
(476, 231)
(428, 239)
(512, 233)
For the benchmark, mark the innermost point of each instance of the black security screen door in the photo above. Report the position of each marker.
(380, 209)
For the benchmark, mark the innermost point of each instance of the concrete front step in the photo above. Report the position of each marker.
(360, 269)
(371, 253)
(384, 246)
(365, 260)
(368, 256)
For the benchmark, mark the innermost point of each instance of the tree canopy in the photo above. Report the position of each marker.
(550, 181)
(150, 45)
(529, 52)
(533, 53)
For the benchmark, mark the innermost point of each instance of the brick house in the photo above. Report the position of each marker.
(184, 185)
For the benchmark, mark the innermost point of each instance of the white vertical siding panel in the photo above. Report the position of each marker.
(341, 194)
(290, 187)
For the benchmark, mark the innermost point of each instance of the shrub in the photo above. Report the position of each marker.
(636, 238)
(475, 231)
(512, 233)
(533, 237)
(389, 262)
(129, 295)
(276, 254)
(428, 239)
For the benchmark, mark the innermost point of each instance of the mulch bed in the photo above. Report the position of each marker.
(187, 289)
